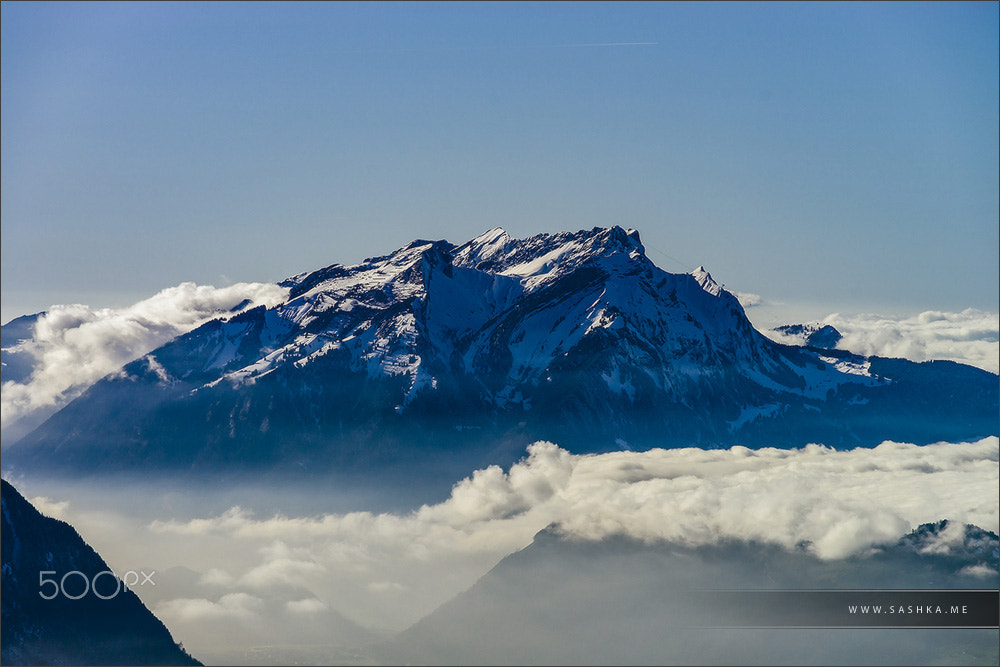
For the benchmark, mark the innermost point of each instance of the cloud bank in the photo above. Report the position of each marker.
(969, 337)
(389, 569)
(277, 567)
(75, 345)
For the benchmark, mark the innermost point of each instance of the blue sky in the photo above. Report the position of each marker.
(824, 156)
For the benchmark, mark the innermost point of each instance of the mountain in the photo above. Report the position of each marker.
(621, 601)
(463, 354)
(42, 622)
(813, 335)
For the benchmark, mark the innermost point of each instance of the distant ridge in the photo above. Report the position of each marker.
(562, 599)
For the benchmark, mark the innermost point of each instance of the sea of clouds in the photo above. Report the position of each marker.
(75, 345)
(252, 575)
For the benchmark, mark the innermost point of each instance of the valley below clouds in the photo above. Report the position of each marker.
(288, 570)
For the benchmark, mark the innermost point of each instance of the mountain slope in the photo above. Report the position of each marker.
(623, 601)
(466, 353)
(43, 624)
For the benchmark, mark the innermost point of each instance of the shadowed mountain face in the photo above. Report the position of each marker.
(461, 355)
(44, 625)
(622, 601)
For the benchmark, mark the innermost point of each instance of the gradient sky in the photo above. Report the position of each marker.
(824, 156)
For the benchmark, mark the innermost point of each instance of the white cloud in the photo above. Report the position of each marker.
(49, 507)
(217, 577)
(233, 605)
(306, 606)
(980, 570)
(840, 503)
(282, 566)
(969, 337)
(385, 586)
(75, 345)
(748, 299)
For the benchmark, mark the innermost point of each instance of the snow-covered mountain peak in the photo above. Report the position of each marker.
(482, 249)
(575, 336)
(492, 234)
(383, 272)
(491, 238)
(431, 296)
(542, 258)
(704, 279)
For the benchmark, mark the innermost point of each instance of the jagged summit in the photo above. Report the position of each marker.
(704, 279)
(496, 252)
(575, 337)
(483, 247)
